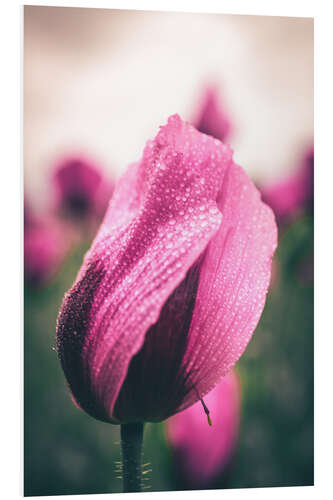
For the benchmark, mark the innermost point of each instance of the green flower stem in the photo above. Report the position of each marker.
(131, 447)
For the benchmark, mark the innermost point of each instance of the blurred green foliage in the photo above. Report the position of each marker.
(68, 452)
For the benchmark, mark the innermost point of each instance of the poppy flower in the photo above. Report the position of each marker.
(294, 194)
(202, 453)
(81, 190)
(174, 283)
(45, 247)
(211, 119)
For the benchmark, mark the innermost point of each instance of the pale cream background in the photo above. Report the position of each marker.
(102, 81)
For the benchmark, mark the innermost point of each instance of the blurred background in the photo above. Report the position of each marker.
(97, 84)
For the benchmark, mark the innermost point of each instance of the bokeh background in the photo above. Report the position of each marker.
(98, 83)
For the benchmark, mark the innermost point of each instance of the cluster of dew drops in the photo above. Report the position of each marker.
(176, 218)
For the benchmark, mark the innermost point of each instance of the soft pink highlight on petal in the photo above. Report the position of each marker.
(81, 189)
(202, 452)
(211, 118)
(293, 194)
(164, 218)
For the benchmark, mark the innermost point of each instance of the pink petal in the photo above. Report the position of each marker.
(201, 452)
(160, 219)
(154, 384)
(234, 279)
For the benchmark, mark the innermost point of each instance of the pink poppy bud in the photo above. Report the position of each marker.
(45, 246)
(81, 190)
(174, 284)
(202, 452)
(211, 119)
(293, 194)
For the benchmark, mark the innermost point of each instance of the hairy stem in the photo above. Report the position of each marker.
(131, 447)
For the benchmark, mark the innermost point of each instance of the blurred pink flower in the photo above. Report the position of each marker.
(173, 285)
(45, 247)
(202, 452)
(81, 190)
(211, 119)
(294, 194)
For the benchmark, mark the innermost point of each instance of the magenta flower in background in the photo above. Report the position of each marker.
(211, 119)
(201, 453)
(45, 247)
(173, 285)
(81, 190)
(295, 193)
